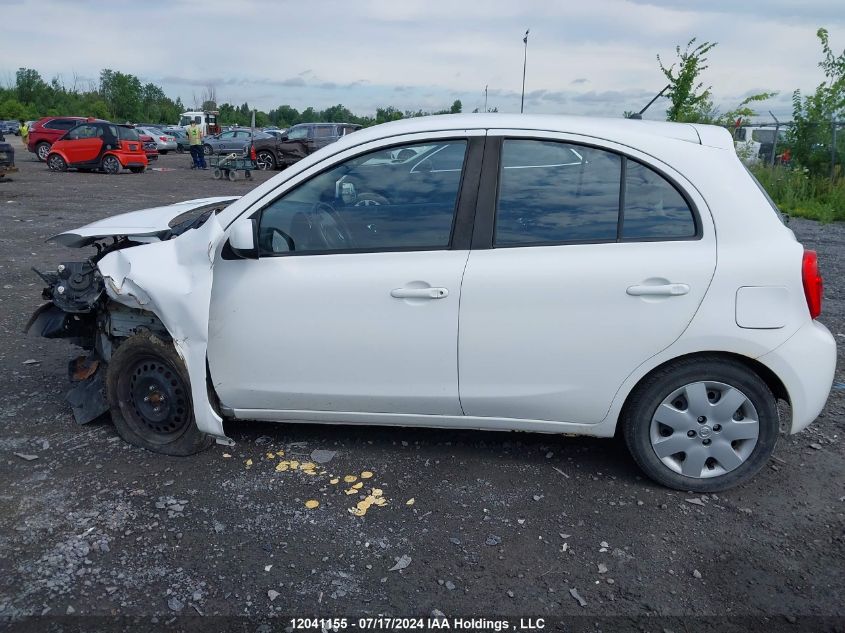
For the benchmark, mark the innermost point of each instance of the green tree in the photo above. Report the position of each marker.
(456, 107)
(810, 135)
(690, 100)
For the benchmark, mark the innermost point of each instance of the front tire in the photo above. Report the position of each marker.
(702, 424)
(208, 150)
(56, 163)
(150, 399)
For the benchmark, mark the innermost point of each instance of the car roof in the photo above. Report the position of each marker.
(615, 129)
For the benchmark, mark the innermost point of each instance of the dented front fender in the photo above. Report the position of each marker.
(173, 280)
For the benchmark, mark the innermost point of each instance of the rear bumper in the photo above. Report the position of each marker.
(806, 364)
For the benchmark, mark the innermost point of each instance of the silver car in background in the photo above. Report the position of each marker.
(165, 142)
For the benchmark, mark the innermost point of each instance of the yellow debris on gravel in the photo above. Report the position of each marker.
(280, 453)
(350, 478)
(410, 502)
(334, 481)
(248, 463)
(294, 464)
(374, 498)
(351, 491)
(271, 456)
(282, 467)
(307, 466)
(358, 486)
(366, 474)
(311, 504)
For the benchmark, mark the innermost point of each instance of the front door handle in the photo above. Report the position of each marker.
(665, 290)
(419, 293)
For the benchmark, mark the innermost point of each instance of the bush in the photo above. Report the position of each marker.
(801, 194)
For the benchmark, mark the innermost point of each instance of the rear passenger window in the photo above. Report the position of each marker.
(552, 192)
(653, 207)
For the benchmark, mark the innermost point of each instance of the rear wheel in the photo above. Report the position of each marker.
(701, 424)
(42, 150)
(265, 160)
(56, 163)
(111, 165)
(208, 150)
(232, 174)
(217, 174)
(149, 397)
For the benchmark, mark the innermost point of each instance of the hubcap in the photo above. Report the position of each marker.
(43, 150)
(157, 396)
(265, 161)
(704, 429)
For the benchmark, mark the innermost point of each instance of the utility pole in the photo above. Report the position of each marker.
(524, 63)
(485, 97)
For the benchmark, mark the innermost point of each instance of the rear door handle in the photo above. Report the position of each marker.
(419, 293)
(665, 290)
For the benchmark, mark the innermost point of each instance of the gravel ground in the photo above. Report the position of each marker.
(476, 523)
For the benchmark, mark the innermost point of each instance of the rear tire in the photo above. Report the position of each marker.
(42, 150)
(111, 165)
(208, 150)
(217, 174)
(681, 437)
(265, 160)
(149, 397)
(233, 175)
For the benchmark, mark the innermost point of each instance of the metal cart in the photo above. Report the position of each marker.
(229, 165)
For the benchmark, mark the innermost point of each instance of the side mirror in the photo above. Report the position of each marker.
(242, 239)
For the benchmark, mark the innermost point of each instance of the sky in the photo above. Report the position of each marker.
(594, 58)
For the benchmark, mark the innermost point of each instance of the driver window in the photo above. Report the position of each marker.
(371, 202)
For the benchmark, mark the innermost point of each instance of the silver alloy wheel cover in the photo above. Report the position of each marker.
(43, 150)
(111, 165)
(709, 436)
(264, 161)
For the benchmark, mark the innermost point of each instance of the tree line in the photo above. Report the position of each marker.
(121, 96)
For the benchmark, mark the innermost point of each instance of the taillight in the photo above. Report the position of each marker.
(163, 139)
(813, 283)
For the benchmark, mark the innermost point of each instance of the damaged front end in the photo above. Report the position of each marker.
(79, 310)
(141, 280)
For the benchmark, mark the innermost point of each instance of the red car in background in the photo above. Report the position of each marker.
(47, 130)
(98, 145)
(150, 148)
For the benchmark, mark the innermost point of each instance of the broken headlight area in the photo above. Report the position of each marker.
(79, 310)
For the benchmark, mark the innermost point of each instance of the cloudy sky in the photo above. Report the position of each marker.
(595, 57)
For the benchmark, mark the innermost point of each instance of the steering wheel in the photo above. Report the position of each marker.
(330, 226)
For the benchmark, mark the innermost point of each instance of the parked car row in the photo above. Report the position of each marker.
(98, 145)
(10, 127)
(274, 148)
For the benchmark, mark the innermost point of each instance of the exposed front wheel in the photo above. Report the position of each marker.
(149, 397)
(702, 424)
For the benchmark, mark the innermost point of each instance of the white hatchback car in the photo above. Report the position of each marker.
(551, 274)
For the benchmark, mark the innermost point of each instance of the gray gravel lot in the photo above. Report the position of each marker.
(500, 523)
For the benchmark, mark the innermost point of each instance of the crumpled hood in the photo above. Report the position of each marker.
(145, 223)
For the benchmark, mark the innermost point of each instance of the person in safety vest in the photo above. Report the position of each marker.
(23, 130)
(195, 140)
